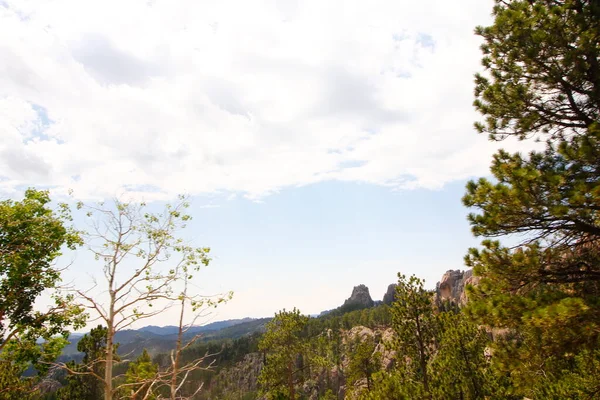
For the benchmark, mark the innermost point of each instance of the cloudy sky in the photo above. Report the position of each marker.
(324, 143)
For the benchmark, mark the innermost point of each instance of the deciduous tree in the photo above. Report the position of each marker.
(143, 260)
(32, 236)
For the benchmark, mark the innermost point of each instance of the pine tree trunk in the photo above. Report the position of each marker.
(422, 358)
(291, 380)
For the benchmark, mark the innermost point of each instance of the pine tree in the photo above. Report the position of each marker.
(363, 361)
(85, 379)
(416, 327)
(139, 378)
(283, 345)
(460, 369)
(542, 82)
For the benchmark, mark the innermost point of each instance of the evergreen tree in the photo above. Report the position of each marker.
(85, 379)
(283, 344)
(542, 82)
(139, 377)
(415, 325)
(394, 385)
(460, 369)
(363, 361)
(580, 381)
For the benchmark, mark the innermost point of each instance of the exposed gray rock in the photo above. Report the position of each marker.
(390, 294)
(360, 298)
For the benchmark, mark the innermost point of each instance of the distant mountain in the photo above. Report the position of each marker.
(213, 326)
(123, 337)
(158, 339)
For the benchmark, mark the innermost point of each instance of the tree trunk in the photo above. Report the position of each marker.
(422, 358)
(291, 380)
(108, 367)
(367, 369)
(177, 351)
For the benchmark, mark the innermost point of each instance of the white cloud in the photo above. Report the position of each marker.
(164, 97)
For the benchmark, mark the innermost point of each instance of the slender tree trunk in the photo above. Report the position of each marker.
(110, 324)
(422, 358)
(469, 369)
(368, 376)
(177, 351)
(108, 367)
(291, 380)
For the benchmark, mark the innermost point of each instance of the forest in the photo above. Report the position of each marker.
(529, 327)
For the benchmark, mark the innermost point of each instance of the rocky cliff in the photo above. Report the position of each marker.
(452, 286)
(390, 294)
(236, 381)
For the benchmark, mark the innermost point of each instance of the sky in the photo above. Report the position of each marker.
(323, 144)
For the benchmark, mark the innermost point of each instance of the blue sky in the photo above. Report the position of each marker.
(307, 247)
(323, 144)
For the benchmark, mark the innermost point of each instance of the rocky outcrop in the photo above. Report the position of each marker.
(384, 345)
(237, 380)
(360, 298)
(452, 286)
(390, 294)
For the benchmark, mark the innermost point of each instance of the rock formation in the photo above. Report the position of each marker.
(238, 379)
(452, 286)
(360, 298)
(390, 294)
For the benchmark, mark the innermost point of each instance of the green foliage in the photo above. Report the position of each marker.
(440, 354)
(11, 384)
(363, 361)
(79, 385)
(543, 62)
(416, 327)
(579, 381)
(328, 395)
(370, 317)
(543, 295)
(283, 346)
(139, 376)
(134, 246)
(394, 385)
(85, 379)
(31, 238)
(460, 369)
